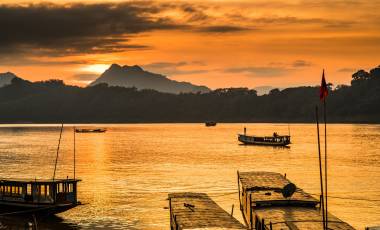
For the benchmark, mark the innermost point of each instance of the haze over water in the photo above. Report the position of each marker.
(128, 171)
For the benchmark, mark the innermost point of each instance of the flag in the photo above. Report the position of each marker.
(323, 91)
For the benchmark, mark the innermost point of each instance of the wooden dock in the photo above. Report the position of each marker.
(199, 211)
(264, 206)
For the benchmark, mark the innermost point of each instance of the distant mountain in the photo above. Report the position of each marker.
(6, 78)
(135, 76)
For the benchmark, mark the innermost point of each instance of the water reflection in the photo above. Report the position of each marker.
(127, 172)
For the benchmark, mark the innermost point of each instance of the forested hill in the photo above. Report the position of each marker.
(53, 101)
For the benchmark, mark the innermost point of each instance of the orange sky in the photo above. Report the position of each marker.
(212, 43)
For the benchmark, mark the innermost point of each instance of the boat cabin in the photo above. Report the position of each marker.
(59, 191)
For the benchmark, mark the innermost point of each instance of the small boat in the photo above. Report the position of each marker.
(275, 140)
(210, 123)
(42, 197)
(90, 130)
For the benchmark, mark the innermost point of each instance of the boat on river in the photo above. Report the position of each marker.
(39, 197)
(90, 130)
(264, 140)
(25, 196)
(210, 123)
(269, 201)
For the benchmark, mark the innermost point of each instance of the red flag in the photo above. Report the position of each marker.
(323, 91)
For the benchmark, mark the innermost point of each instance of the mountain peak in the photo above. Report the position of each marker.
(7, 74)
(114, 67)
(133, 68)
(6, 78)
(135, 76)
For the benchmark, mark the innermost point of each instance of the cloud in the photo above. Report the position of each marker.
(346, 70)
(260, 71)
(296, 20)
(70, 29)
(85, 77)
(301, 63)
(21, 60)
(174, 68)
(162, 65)
(194, 13)
(222, 29)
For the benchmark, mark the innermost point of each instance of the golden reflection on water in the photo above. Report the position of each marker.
(128, 171)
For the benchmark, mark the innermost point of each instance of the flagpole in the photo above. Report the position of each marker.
(324, 117)
(320, 170)
(74, 151)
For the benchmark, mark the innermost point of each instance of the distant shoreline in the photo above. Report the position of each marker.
(153, 123)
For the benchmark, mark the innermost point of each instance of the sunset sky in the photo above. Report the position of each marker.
(214, 43)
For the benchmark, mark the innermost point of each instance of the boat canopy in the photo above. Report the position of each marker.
(33, 191)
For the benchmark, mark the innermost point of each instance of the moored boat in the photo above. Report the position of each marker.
(210, 123)
(23, 196)
(270, 201)
(45, 197)
(275, 140)
(90, 130)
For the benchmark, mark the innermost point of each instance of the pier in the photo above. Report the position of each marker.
(199, 211)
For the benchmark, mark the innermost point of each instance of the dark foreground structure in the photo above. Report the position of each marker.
(198, 211)
(40, 197)
(265, 205)
(268, 201)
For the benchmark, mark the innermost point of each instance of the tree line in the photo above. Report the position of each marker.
(53, 102)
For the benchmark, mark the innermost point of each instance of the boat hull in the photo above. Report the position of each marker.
(250, 140)
(19, 209)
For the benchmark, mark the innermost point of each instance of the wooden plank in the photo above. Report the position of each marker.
(199, 211)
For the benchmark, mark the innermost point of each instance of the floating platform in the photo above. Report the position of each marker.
(265, 204)
(199, 211)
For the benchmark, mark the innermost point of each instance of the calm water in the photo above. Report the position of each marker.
(128, 171)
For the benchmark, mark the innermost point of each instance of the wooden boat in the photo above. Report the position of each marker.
(267, 203)
(21, 196)
(32, 196)
(210, 123)
(199, 211)
(275, 140)
(90, 130)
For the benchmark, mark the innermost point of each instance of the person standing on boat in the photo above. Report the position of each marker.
(245, 131)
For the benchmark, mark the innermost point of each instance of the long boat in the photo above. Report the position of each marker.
(23, 196)
(269, 201)
(90, 130)
(197, 211)
(32, 196)
(275, 140)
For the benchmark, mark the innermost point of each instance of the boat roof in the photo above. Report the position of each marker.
(259, 180)
(290, 217)
(265, 136)
(265, 188)
(204, 214)
(41, 181)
